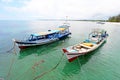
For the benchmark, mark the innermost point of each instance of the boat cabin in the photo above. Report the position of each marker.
(97, 35)
(50, 33)
(33, 37)
(46, 35)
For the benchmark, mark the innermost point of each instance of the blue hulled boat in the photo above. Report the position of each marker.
(44, 37)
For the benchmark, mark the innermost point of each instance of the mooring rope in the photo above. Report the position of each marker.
(12, 62)
(33, 67)
(9, 71)
(13, 48)
(8, 51)
(44, 73)
(79, 62)
(80, 65)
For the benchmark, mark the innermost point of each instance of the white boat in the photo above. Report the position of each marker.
(100, 22)
(96, 38)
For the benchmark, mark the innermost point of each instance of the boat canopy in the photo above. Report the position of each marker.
(46, 33)
(61, 29)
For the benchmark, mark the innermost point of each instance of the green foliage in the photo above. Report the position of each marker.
(114, 18)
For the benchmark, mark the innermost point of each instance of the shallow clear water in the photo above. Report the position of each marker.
(40, 62)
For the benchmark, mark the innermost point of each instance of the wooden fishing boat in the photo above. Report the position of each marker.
(96, 38)
(44, 37)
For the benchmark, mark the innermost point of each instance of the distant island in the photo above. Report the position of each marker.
(70, 20)
(114, 18)
(110, 19)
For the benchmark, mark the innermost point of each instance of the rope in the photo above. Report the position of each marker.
(79, 61)
(33, 67)
(12, 49)
(39, 76)
(80, 65)
(44, 73)
(10, 68)
(12, 62)
(8, 51)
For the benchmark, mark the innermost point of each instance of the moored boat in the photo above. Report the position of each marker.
(96, 38)
(100, 22)
(44, 37)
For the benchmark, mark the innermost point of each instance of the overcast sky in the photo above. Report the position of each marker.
(58, 9)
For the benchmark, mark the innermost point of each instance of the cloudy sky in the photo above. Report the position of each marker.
(58, 9)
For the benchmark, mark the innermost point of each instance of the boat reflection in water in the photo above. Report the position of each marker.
(76, 66)
(41, 50)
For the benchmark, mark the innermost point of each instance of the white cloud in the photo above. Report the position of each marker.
(75, 9)
(6, 1)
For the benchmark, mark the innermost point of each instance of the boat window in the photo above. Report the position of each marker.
(39, 37)
(50, 36)
(32, 38)
(56, 35)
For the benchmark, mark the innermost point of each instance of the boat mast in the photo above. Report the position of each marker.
(66, 22)
(66, 19)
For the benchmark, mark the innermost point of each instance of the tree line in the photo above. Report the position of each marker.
(114, 18)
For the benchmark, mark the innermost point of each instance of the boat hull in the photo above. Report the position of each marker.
(26, 44)
(64, 36)
(23, 45)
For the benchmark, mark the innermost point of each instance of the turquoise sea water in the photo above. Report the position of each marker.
(47, 62)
